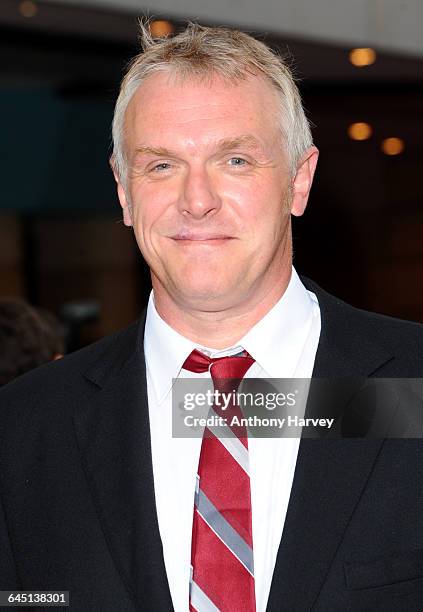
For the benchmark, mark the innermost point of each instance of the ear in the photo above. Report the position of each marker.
(126, 206)
(303, 180)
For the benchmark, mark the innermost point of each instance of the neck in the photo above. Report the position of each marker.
(220, 328)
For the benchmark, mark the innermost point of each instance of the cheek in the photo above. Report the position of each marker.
(151, 205)
(259, 206)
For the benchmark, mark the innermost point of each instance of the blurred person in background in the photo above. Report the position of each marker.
(212, 155)
(29, 337)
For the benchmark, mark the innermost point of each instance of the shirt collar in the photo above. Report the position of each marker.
(275, 342)
(165, 351)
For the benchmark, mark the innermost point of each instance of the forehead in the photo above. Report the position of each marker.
(214, 107)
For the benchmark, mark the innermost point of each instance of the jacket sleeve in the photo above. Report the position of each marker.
(8, 576)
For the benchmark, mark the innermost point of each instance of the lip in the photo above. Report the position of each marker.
(199, 237)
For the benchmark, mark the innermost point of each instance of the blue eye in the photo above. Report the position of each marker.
(161, 167)
(237, 161)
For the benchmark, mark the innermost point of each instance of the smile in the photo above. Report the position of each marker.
(211, 240)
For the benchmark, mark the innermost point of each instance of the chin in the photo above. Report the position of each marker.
(208, 296)
(204, 288)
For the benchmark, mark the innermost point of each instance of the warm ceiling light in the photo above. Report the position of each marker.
(161, 28)
(360, 131)
(393, 146)
(362, 56)
(27, 8)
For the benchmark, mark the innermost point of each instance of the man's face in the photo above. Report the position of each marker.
(209, 188)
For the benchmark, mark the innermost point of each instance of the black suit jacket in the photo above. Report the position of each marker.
(77, 506)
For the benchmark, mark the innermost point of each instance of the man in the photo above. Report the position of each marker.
(212, 155)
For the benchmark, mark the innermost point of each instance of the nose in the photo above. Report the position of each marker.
(199, 197)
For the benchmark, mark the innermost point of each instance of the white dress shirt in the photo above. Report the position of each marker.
(284, 345)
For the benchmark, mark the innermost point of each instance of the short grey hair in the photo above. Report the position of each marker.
(201, 51)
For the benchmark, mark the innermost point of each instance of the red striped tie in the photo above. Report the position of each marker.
(222, 572)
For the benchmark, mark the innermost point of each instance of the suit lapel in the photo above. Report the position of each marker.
(329, 478)
(330, 474)
(114, 438)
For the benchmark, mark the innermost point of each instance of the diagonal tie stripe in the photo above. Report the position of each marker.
(233, 445)
(232, 501)
(229, 536)
(219, 574)
(199, 600)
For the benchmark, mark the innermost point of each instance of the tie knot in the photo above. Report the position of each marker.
(226, 372)
(233, 366)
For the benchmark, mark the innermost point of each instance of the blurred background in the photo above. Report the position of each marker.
(63, 246)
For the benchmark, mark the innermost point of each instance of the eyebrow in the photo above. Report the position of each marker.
(226, 144)
(248, 141)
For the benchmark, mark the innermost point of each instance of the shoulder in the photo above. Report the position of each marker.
(66, 377)
(341, 314)
(367, 334)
